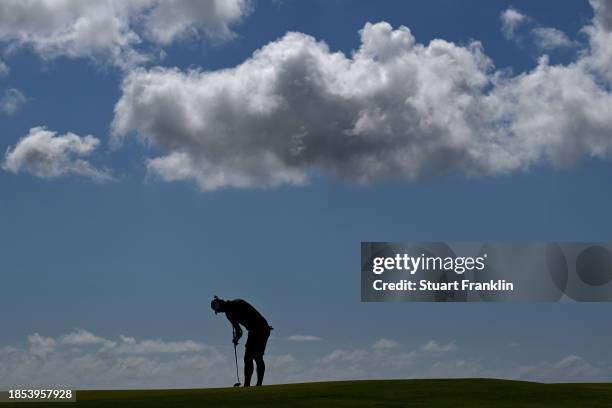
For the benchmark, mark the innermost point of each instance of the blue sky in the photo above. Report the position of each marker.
(102, 243)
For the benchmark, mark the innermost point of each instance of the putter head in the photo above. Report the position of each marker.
(237, 384)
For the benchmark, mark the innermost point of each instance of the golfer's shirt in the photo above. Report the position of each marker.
(241, 312)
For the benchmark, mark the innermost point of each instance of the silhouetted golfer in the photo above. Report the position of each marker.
(239, 312)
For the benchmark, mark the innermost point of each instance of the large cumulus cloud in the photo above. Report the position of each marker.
(394, 109)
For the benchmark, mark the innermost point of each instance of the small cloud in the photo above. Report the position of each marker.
(129, 345)
(545, 38)
(12, 100)
(127, 339)
(345, 355)
(385, 344)
(575, 366)
(548, 38)
(45, 154)
(303, 337)
(4, 69)
(511, 19)
(433, 346)
(81, 337)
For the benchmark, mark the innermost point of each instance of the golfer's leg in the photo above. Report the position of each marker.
(261, 369)
(248, 368)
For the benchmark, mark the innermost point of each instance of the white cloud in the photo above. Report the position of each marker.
(41, 346)
(603, 13)
(284, 363)
(437, 360)
(129, 345)
(574, 366)
(600, 36)
(385, 344)
(172, 19)
(303, 337)
(511, 20)
(388, 359)
(4, 69)
(112, 31)
(69, 361)
(433, 346)
(345, 356)
(81, 337)
(12, 100)
(394, 109)
(45, 154)
(294, 109)
(569, 368)
(73, 28)
(81, 359)
(547, 38)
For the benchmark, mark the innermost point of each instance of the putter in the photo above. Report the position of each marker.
(237, 376)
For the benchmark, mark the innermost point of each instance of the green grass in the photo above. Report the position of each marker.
(391, 393)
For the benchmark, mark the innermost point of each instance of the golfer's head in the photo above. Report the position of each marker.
(217, 305)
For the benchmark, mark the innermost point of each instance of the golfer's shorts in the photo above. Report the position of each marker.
(256, 343)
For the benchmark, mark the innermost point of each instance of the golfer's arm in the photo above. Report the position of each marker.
(237, 330)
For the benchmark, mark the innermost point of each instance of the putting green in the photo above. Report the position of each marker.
(387, 393)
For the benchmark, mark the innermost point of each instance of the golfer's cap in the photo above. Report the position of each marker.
(215, 303)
